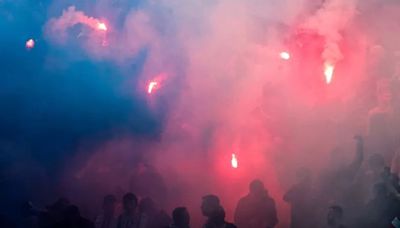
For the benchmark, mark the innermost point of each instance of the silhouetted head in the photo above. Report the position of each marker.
(335, 215)
(147, 205)
(209, 205)
(218, 216)
(257, 187)
(109, 203)
(181, 217)
(130, 202)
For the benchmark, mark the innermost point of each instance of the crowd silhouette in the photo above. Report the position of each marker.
(363, 193)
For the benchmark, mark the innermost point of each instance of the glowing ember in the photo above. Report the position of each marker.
(152, 86)
(284, 55)
(101, 26)
(30, 44)
(328, 71)
(234, 161)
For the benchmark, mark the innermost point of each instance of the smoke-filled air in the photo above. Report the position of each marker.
(189, 113)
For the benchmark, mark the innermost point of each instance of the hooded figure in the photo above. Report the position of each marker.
(257, 209)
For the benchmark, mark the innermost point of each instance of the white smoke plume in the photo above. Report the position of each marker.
(330, 21)
(69, 18)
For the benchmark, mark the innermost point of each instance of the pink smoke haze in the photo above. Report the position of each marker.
(226, 86)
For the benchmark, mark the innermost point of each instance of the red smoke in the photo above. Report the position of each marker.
(237, 90)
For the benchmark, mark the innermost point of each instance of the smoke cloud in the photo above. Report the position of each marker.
(223, 90)
(227, 87)
(330, 21)
(69, 18)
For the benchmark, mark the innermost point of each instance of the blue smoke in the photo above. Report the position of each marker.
(53, 98)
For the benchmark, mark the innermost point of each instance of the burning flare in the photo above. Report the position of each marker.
(101, 26)
(234, 161)
(328, 71)
(152, 86)
(30, 44)
(284, 55)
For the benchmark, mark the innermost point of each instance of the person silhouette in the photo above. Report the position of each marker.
(257, 209)
(107, 218)
(150, 216)
(181, 218)
(73, 219)
(215, 213)
(129, 217)
(299, 196)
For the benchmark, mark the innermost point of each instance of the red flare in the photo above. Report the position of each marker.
(151, 87)
(284, 55)
(30, 44)
(101, 26)
(328, 71)
(234, 162)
